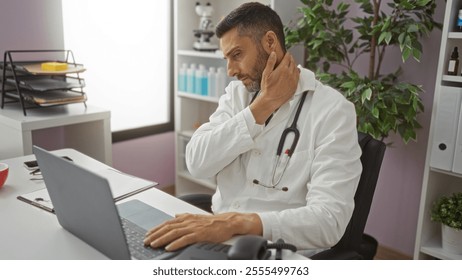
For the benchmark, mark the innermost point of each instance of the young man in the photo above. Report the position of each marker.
(305, 195)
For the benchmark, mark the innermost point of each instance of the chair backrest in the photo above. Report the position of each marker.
(372, 155)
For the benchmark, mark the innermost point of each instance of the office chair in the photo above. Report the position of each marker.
(349, 245)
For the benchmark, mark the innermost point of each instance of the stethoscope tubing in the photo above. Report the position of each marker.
(290, 129)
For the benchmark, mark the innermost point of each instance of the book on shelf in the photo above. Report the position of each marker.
(122, 186)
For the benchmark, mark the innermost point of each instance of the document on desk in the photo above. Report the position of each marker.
(122, 186)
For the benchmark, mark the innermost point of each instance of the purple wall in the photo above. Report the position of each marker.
(151, 158)
(29, 24)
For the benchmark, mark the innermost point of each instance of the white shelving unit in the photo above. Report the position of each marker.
(192, 110)
(439, 180)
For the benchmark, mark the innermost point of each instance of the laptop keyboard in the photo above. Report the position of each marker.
(135, 236)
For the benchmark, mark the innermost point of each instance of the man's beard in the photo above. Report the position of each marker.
(260, 64)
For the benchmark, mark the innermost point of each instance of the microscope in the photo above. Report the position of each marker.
(205, 31)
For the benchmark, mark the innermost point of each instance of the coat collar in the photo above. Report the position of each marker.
(306, 82)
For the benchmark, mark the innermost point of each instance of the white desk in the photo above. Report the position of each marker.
(69, 126)
(28, 232)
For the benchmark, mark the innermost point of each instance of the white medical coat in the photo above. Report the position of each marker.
(321, 177)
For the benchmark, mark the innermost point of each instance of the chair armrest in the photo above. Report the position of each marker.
(202, 201)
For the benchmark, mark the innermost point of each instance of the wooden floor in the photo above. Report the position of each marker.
(169, 189)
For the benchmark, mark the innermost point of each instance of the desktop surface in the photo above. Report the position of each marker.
(31, 233)
(24, 224)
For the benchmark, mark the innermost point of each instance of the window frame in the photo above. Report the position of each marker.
(129, 134)
(143, 131)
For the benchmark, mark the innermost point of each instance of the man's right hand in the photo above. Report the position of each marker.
(278, 85)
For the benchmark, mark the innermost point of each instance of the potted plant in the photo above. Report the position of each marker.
(448, 211)
(334, 36)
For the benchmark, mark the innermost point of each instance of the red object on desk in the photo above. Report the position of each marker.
(3, 173)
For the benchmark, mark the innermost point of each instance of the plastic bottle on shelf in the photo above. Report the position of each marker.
(211, 81)
(182, 78)
(201, 80)
(220, 82)
(205, 83)
(459, 21)
(190, 78)
(453, 65)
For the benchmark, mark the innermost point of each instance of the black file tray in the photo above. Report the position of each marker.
(24, 81)
(47, 83)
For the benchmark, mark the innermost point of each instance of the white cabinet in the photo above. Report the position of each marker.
(443, 166)
(192, 110)
(87, 129)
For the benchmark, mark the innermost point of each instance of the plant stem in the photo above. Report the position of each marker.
(374, 40)
(381, 55)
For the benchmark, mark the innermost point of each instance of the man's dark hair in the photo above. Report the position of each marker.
(253, 20)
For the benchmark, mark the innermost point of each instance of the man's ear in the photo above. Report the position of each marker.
(270, 42)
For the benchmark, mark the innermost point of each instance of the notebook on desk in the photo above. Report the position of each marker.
(84, 205)
(122, 186)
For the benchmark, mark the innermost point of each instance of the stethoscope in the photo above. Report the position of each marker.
(290, 129)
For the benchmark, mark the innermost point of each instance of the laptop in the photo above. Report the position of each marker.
(84, 206)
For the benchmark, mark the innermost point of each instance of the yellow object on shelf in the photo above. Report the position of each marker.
(54, 66)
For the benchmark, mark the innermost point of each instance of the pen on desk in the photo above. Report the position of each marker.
(51, 210)
(43, 207)
(33, 172)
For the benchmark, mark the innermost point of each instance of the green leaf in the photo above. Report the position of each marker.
(348, 85)
(394, 108)
(375, 112)
(423, 3)
(413, 28)
(401, 39)
(316, 43)
(405, 54)
(386, 24)
(408, 135)
(382, 37)
(407, 5)
(416, 54)
(366, 94)
(342, 6)
(448, 210)
(388, 38)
